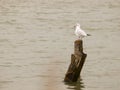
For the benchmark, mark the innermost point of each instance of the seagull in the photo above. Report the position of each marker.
(79, 32)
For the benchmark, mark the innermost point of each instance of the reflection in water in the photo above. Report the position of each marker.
(75, 85)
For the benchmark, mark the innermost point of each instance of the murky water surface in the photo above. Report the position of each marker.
(36, 42)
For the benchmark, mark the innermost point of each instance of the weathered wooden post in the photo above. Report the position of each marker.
(77, 61)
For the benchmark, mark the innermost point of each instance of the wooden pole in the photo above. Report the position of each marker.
(77, 62)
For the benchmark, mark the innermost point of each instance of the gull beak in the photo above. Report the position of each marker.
(74, 26)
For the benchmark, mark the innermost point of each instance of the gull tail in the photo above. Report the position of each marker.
(88, 34)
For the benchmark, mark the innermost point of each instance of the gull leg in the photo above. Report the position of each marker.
(80, 38)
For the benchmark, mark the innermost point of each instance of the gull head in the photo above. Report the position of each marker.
(77, 25)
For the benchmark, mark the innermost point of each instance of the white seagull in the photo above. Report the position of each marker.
(79, 32)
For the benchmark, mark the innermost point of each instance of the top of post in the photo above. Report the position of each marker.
(78, 42)
(78, 47)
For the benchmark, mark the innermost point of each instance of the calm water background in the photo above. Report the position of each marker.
(36, 42)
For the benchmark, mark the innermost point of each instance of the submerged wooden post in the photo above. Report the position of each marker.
(77, 61)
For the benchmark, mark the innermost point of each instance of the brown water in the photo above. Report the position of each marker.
(36, 42)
